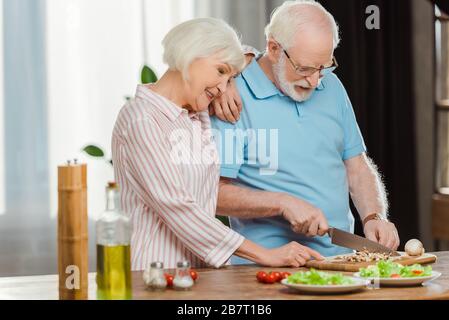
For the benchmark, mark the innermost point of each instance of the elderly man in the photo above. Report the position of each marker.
(295, 109)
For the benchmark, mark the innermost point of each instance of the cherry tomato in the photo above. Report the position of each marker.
(261, 276)
(193, 274)
(277, 275)
(271, 278)
(169, 279)
(417, 272)
(285, 275)
(395, 275)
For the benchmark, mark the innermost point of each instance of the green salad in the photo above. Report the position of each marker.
(390, 269)
(314, 277)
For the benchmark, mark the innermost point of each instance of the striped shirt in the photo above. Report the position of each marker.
(166, 162)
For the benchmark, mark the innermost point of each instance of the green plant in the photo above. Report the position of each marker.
(224, 220)
(147, 75)
(95, 151)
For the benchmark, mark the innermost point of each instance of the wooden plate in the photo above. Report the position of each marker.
(335, 264)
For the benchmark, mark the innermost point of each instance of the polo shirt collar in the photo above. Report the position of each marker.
(259, 83)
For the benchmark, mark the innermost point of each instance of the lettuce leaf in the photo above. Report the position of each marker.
(314, 277)
(389, 269)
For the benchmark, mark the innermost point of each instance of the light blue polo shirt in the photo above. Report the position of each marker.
(299, 148)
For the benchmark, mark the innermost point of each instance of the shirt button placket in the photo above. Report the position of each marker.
(298, 106)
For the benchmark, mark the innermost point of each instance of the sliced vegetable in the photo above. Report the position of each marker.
(314, 277)
(390, 269)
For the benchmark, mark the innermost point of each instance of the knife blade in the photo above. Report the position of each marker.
(348, 240)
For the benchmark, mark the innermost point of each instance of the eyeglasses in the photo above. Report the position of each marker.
(309, 71)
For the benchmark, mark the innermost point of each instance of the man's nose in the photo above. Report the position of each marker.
(314, 79)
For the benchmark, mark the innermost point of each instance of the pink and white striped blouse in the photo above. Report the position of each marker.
(167, 166)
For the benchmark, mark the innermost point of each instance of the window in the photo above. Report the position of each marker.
(442, 100)
(2, 126)
(69, 65)
(95, 51)
(160, 17)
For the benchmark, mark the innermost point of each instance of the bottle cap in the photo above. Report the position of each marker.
(157, 265)
(112, 185)
(183, 264)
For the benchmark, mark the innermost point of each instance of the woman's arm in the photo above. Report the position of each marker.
(292, 254)
(158, 183)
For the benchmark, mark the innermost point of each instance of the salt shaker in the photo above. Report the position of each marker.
(154, 277)
(183, 280)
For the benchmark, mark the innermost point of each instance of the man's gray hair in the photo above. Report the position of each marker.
(287, 19)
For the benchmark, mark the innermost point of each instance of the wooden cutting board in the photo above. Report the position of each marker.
(330, 263)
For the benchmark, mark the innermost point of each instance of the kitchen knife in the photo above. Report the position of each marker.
(348, 240)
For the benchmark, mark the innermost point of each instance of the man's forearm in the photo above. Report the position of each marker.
(245, 203)
(366, 187)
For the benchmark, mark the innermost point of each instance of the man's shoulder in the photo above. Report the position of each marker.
(250, 80)
(333, 83)
(242, 84)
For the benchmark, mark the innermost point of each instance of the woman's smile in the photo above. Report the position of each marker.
(209, 95)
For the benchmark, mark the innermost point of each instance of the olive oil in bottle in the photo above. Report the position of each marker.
(113, 250)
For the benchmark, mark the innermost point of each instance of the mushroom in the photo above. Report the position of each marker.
(414, 247)
(364, 256)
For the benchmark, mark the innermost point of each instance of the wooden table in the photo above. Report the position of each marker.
(230, 283)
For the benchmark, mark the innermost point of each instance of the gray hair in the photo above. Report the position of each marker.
(200, 38)
(288, 18)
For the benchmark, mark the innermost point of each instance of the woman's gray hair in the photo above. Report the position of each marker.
(287, 19)
(200, 38)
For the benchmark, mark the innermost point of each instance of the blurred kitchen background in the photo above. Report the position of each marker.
(67, 66)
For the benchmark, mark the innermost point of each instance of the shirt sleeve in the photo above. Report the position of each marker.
(353, 139)
(231, 143)
(157, 180)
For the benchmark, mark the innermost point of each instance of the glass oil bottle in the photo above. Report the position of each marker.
(113, 237)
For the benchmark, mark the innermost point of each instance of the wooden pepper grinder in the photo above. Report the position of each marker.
(72, 231)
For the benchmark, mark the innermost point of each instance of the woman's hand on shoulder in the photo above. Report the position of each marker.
(228, 106)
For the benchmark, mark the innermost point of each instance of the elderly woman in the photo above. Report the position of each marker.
(166, 160)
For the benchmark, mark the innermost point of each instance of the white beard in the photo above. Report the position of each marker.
(289, 87)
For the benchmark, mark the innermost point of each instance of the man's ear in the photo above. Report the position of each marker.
(273, 50)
